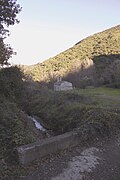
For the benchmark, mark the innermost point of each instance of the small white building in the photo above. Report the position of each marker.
(62, 85)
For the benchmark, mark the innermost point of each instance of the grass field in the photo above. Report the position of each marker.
(104, 97)
(99, 91)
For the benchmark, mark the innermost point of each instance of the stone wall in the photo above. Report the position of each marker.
(34, 151)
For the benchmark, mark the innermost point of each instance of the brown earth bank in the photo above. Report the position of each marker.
(96, 160)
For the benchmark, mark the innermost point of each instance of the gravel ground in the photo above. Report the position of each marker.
(99, 160)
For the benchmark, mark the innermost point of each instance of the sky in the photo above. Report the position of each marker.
(48, 27)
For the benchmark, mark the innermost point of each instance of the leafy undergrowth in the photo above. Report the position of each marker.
(63, 111)
(59, 111)
(14, 131)
(15, 128)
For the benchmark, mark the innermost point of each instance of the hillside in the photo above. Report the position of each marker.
(80, 63)
(93, 112)
(15, 126)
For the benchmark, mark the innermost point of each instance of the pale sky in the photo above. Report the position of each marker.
(48, 27)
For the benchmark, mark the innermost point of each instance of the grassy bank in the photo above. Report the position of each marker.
(64, 111)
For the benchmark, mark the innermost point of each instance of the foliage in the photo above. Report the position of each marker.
(5, 53)
(64, 111)
(107, 68)
(12, 125)
(100, 122)
(8, 12)
(11, 83)
(81, 61)
(15, 129)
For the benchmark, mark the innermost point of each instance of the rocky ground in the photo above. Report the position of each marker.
(98, 160)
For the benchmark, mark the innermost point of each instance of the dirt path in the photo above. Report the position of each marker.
(98, 161)
(109, 164)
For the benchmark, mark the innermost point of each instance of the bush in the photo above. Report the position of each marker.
(13, 129)
(11, 84)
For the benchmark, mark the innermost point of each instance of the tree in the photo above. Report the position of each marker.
(8, 16)
(5, 53)
(8, 12)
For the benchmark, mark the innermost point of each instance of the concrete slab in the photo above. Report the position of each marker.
(34, 151)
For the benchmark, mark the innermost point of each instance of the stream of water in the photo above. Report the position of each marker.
(37, 124)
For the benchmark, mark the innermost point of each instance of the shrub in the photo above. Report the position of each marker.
(11, 84)
(13, 129)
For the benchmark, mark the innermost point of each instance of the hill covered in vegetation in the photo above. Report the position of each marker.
(93, 112)
(92, 61)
